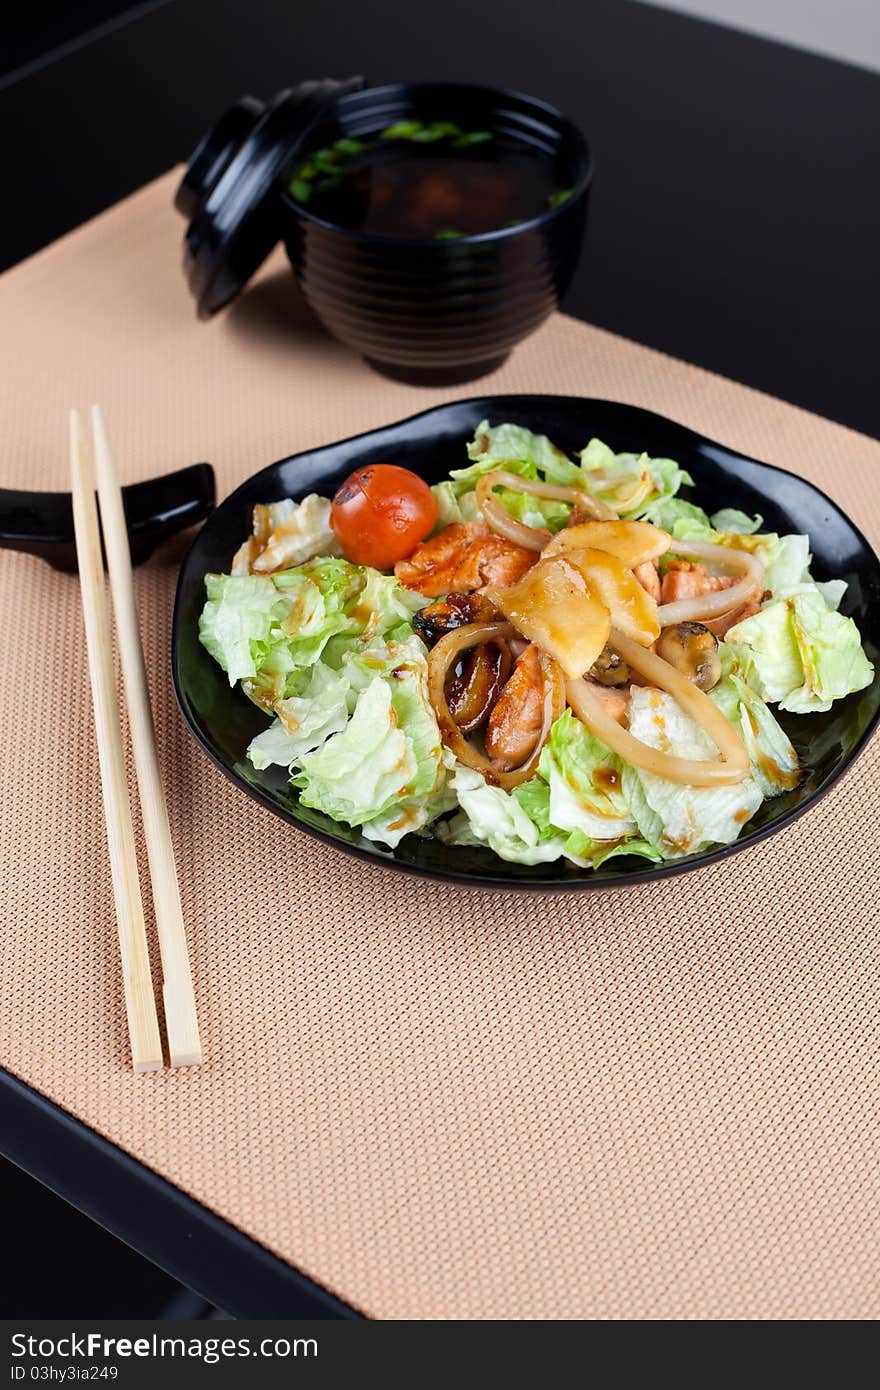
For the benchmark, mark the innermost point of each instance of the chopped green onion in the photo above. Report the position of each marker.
(561, 196)
(299, 190)
(471, 137)
(327, 163)
(423, 134)
(448, 234)
(438, 130)
(348, 146)
(400, 130)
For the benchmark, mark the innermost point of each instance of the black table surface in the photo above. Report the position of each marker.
(735, 219)
(735, 222)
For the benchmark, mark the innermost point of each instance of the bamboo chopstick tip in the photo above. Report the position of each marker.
(147, 1065)
(186, 1059)
(181, 1023)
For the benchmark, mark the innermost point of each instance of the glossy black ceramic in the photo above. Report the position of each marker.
(41, 523)
(230, 191)
(441, 311)
(223, 719)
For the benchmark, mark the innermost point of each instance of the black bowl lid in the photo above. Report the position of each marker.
(229, 189)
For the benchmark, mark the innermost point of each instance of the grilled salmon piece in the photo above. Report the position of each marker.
(684, 580)
(463, 558)
(614, 699)
(515, 722)
(649, 577)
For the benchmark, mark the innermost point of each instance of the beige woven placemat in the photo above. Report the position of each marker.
(656, 1103)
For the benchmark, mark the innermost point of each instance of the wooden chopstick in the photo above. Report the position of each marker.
(140, 1003)
(181, 1024)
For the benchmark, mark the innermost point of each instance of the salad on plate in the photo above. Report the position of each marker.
(557, 658)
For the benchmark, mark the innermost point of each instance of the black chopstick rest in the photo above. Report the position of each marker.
(41, 523)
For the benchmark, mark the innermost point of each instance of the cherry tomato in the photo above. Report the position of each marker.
(380, 514)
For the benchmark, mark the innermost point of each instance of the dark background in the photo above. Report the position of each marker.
(34, 34)
(58, 1263)
(736, 211)
(735, 222)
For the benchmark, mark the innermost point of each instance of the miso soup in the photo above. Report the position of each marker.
(428, 181)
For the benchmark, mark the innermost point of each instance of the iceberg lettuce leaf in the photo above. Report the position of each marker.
(382, 605)
(800, 653)
(584, 782)
(517, 450)
(735, 522)
(387, 773)
(631, 483)
(497, 819)
(534, 797)
(238, 621)
(414, 813)
(305, 719)
(682, 819)
(298, 531)
(665, 512)
(263, 628)
(787, 561)
(361, 771)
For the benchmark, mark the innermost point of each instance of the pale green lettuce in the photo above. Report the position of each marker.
(517, 450)
(453, 509)
(383, 604)
(390, 773)
(787, 560)
(681, 819)
(319, 596)
(665, 512)
(801, 654)
(329, 648)
(239, 620)
(497, 819)
(773, 758)
(361, 771)
(534, 511)
(318, 708)
(534, 797)
(263, 628)
(414, 813)
(583, 777)
(631, 483)
(735, 522)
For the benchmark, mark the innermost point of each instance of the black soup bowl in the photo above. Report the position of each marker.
(441, 311)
